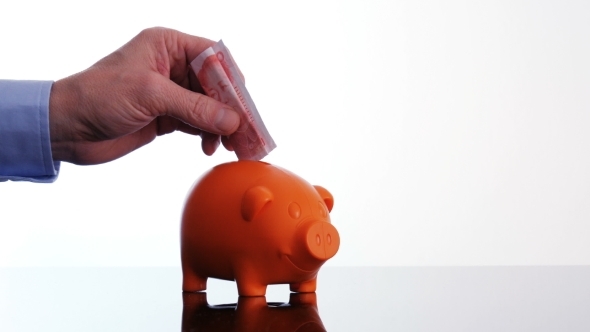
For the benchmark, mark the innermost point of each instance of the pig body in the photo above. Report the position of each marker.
(257, 224)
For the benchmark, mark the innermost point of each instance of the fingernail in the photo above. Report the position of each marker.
(227, 120)
(216, 145)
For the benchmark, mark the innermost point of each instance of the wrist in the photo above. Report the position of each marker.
(61, 99)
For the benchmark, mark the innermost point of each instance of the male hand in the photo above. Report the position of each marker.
(142, 90)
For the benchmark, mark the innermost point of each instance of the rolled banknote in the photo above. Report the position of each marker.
(219, 76)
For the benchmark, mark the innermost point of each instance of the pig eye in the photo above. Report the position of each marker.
(294, 210)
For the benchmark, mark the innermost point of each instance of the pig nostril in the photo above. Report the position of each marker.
(329, 239)
(318, 239)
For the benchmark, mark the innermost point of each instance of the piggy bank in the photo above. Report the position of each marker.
(257, 224)
(251, 314)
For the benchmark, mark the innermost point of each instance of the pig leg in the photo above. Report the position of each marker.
(308, 286)
(250, 288)
(192, 282)
(248, 281)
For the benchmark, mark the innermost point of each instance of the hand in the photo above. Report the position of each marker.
(142, 90)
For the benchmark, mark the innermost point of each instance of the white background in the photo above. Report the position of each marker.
(450, 133)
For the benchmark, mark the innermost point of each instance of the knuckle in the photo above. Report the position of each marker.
(153, 31)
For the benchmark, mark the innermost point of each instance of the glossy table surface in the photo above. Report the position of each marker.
(347, 299)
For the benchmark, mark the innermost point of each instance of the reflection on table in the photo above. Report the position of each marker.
(251, 314)
(442, 299)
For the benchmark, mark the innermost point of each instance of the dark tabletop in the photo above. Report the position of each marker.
(347, 299)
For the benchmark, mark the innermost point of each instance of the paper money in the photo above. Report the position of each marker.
(219, 76)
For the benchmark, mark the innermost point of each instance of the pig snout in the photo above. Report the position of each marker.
(314, 243)
(320, 239)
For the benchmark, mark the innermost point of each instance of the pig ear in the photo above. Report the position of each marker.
(254, 200)
(326, 197)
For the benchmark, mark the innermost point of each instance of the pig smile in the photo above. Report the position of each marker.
(295, 265)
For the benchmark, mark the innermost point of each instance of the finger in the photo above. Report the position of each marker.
(194, 83)
(209, 142)
(193, 108)
(192, 45)
(92, 153)
(183, 127)
(165, 125)
(226, 144)
(181, 49)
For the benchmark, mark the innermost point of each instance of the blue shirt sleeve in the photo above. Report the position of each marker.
(25, 146)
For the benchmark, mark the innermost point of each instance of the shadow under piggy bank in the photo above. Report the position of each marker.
(251, 314)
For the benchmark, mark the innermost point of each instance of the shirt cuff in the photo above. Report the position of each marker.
(25, 145)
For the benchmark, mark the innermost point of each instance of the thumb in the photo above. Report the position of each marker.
(197, 110)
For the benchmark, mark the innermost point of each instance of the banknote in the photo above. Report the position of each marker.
(219, 76)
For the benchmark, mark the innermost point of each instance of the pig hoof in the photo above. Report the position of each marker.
(194, 284)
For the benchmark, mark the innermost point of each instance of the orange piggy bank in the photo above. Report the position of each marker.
(257, 224)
